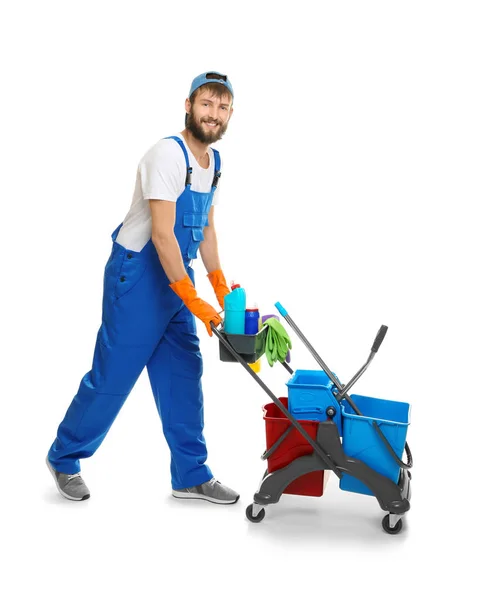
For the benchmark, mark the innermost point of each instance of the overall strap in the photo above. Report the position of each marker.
(217, 167)
(183, 148)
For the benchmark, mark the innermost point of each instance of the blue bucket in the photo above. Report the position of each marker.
(310, 393)
(361, 441)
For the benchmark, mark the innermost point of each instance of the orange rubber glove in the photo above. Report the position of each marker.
(200, 309)
(219, 284)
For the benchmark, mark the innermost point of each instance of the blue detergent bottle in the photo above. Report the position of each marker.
(234, 309)
(251, 320)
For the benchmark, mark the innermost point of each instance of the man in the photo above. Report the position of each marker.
(150, 302)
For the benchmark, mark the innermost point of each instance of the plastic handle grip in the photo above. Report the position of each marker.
(283, 312)
(379, 339)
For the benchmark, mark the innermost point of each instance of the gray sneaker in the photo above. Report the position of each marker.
(71, 487)
(212, 491)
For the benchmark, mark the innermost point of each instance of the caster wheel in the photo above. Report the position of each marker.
(258, 518)
(391, 530)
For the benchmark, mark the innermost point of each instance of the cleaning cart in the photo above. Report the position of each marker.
(319, 428)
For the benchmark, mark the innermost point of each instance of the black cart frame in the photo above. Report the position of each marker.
(328, 454)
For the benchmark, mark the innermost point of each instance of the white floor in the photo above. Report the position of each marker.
(131, 539)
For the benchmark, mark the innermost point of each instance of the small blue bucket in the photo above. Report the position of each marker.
(361, 441)
(310, 393)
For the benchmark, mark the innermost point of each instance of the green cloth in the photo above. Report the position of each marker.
(277, 342)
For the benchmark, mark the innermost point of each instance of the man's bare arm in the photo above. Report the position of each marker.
(209, 246)
(163, 221)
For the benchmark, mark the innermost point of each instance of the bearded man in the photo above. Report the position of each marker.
(150, 304)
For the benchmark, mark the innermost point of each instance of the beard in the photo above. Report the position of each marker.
(205, 137)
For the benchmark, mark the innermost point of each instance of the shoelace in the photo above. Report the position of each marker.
(70, 477)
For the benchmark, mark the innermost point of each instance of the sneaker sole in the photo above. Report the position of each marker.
(62, 493)
(190, 496)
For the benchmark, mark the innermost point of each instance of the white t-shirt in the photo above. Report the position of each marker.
(161, 175)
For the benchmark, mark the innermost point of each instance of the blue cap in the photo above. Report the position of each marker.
(210, 77)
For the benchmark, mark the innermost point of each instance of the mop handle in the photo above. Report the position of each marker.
(314, 354)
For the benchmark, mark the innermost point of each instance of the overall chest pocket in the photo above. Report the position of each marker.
(194, 224)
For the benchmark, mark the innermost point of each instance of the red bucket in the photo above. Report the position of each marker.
(293, 446)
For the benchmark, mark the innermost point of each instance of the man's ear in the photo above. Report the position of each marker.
(187, 105)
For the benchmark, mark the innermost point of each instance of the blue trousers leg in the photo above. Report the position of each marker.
(144, 323)
(175, 371)
(136, 308)
(97, 403)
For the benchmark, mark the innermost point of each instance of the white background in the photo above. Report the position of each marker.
(352, 173)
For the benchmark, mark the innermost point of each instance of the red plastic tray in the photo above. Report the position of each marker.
(293, 446)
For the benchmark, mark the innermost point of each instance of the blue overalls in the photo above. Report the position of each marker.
(145, 324)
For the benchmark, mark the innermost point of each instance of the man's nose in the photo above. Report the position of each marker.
(213, 113)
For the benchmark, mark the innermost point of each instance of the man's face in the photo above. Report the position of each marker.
(208, 116)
